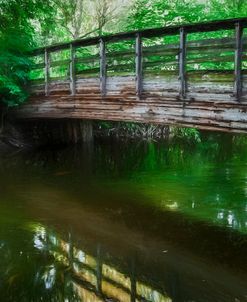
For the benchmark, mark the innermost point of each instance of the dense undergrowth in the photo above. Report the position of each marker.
(146, 131)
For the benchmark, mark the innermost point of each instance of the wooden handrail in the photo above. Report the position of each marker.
(148, 33)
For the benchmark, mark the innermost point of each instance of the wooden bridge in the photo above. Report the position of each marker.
(189, 75)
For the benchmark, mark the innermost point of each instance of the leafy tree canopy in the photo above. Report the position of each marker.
(17, 19)
(157, 13)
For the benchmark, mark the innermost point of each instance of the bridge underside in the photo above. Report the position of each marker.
(203, 108)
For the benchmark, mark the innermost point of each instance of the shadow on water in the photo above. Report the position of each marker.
(125, 222)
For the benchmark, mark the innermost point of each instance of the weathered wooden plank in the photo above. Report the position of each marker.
(215, 44)
(190, 61)
(59, 79)
(93, 96)
(159, 86)
(86, 59)
(147, 117)
(198, 81)
(122, 85)
(149, 112)
(59, 63)
(121, 67)
(238, 61)
(122, 54)
(87, 70)
(161, 111)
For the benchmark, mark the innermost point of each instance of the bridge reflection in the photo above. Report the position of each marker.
(93, 278)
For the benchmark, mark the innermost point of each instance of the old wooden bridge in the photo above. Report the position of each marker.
(189, 75)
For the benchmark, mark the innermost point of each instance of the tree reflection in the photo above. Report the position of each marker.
(30, 272)
(51, 269)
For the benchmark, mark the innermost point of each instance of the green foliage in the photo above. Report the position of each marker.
(157, 13)
(16, 39)
(14, 67)
(189, 134)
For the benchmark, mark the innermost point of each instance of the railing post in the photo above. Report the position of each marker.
(72, 70)
(182, 63)
(238, 61)
(138, 61)
(102, 67)
(47, 71)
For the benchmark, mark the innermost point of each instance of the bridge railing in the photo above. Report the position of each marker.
(184, 62)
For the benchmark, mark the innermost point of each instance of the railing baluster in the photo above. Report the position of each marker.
(72, 70)
(103, 72)
(138, 65)
(47, 71)
(182, 63)
(238, 61)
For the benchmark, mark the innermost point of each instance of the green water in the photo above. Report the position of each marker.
(125, 221)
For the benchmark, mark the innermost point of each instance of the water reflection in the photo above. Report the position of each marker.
(68, 273)
(51, 268)
(125, 222)
(92, 277)
(206, 181)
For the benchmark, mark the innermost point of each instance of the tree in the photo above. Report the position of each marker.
(71, 16)
(104, 12)
(82, 18)
(157, 13)
(16, 39)
(223, 9)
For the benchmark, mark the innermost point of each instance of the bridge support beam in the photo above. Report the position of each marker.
(76, 130)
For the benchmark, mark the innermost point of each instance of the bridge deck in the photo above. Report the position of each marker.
(190, 75)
